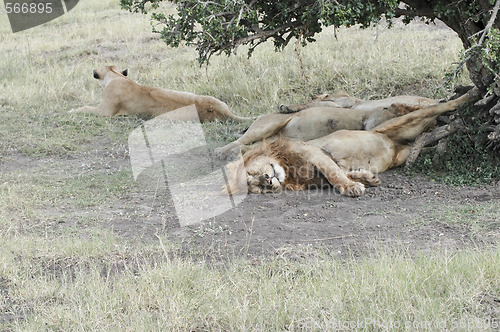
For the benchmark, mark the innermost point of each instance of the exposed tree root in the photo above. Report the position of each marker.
(426, 139)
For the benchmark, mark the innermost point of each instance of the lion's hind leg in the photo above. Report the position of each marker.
(406, 128)
(365, 177)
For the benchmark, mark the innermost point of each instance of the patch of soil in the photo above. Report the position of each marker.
(15, 162)
(402, 213)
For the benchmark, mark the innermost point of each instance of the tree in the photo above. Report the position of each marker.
(220, 26)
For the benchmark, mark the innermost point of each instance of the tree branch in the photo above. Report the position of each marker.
(428, 138)
(265, 34)
(490, 23)
(468, 53)
(420, 8)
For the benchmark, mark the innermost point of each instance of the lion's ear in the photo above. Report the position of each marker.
(321, 96)
(125, 72)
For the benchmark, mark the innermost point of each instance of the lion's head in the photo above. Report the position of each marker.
(273, 167)
(107, 73)
(265, 175)
(341, 98)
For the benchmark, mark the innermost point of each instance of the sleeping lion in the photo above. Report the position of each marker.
(349, 160)
(342, 99)
(318, 119)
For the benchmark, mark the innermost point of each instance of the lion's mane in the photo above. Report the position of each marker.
(300, 173)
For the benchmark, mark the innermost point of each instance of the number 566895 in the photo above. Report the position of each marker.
(28, 8)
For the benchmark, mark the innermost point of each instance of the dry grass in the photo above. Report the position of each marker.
(87, 285)
(84, 278)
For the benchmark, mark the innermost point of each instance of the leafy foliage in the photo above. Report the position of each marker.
(490, 56)
(222, 26)
(466, 160)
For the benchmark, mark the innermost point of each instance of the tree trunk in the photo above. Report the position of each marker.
(467, 19)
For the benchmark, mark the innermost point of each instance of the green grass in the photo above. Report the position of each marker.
(475, 165)
(480, 218)
(71, 168)
(30, 196)
(96, 285)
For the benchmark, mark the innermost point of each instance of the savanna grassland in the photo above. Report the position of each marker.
(84, 247)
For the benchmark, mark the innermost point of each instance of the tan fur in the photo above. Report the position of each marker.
(300, 173)
(312, 123)
(342, 99)
(122, 96)
(345, 159)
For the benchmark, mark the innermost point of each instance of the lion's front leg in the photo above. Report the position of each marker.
(264, 127)
(229, 151)
(329, 169)
(108, 107)
(287, 109)
(94, 110)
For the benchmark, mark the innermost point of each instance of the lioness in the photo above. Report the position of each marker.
(312, 123)
(345, 159)
(342, 99)
(122, 96)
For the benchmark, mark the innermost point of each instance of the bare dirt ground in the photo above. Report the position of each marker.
(408, 213)
(402, 213)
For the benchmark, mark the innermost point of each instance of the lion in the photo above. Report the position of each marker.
(342, 99)
(122, 96)
(348, 160)
(311, 123)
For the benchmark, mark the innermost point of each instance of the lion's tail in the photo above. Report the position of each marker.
(237, 118)
(226, 112)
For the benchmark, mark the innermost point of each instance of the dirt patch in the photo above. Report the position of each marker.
(15, 162)
(402, 213)
(9, 310)
(407, 213)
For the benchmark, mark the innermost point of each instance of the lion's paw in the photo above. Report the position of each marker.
(220, 153)
(374, 180)
(352, 190)
(282, 107)
(366, 177)
(285, 109)
(227, 154)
